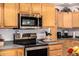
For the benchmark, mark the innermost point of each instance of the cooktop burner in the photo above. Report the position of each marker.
(28, 43)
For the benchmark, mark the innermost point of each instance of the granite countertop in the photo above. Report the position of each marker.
(69, 38)
(10, 45)
(51, 42)
(55, 42)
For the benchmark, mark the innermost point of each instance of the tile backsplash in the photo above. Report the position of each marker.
(7, 34)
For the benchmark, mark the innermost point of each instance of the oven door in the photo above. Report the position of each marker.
(36, 51)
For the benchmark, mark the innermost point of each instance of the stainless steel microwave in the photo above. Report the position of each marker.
(29, 21)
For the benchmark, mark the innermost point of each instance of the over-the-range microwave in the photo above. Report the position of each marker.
(29, 21)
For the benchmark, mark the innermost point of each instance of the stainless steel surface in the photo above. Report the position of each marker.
(26, 36)
(48, 42)
(28, 26)
(38, 47)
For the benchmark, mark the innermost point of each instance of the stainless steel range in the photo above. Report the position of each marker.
(32, 46)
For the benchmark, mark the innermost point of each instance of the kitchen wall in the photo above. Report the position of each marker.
(7, 34)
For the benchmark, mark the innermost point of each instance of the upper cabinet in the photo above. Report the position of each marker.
(67, 20)
(36, 8)
(64, 19)
(1, 15)
(25, 7)
(75, 21)
(48, 14)
(59, 18)
(10, 15)
(44, 7)
(51, 14)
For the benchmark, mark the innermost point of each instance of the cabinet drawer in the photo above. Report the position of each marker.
(55, 47)
(55, 53)
(11, 52)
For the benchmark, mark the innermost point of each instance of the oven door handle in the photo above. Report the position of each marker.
(36, 48)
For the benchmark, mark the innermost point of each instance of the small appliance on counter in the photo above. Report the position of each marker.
(63, 34)
(66, 34)
(1, 41)
(59, 35)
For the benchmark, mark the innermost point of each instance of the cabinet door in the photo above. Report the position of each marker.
(59, 19)
(55, 53)
(75, 21)
(44, 14)
(67, 20)
(48, 12)
(55, 47)
(20, 51)
(51, 15)
(75, 43)
(10, 15)
(36, 8)
(25, 7)
(11, 52)
(1, 14)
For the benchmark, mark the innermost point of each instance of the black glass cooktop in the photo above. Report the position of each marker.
(28, 43)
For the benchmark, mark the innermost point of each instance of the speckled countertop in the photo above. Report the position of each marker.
(69, 38)
(10, 45)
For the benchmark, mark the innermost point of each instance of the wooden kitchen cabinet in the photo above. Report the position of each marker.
(75, 21)
(21, 52)
(53, 35)
(75, 43)
(55, 47)
(64, 19)
(1, 15)
(12, 52)
(56, 53)
(10, 15)
(25, 8)
(67, 20)
(48, 14)
(55, 50)
(59, 18)
(36, 8)
(44, 7)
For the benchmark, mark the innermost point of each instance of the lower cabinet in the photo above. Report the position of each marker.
(67, 43)
(55, 50)
(56, 53)
(20, 52)
(12, 52)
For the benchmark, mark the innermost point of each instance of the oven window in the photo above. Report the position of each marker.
(38, 52)
(29, 21)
